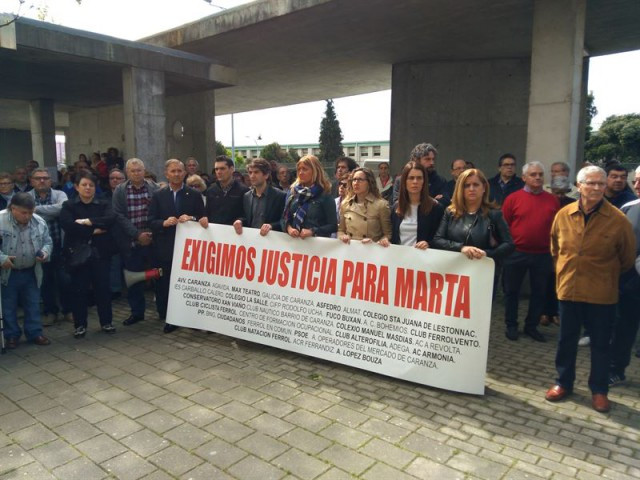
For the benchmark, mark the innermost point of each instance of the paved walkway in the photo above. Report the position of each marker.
(193, 405)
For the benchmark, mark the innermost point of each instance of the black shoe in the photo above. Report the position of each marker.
(169, 327)
(535, 334)
(131, 320)
(512, 333)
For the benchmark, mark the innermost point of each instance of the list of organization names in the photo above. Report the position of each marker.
(368, 335)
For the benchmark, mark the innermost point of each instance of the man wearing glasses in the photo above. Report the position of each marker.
(55, 282)
(506, 181)
(6, 189)
(592, 243)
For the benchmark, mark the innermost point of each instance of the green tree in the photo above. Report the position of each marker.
(273, 151)
(591, 112)
(220, 148)
(293, 155)
(617, 139)
(330, 135)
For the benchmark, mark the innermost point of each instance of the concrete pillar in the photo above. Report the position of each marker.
(144, 117)
(474, 109)
(555, 102)
(204, 129)
(43, 133)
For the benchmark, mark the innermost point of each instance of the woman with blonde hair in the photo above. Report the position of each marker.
(309, 208)
(364, 214)
(416, 216)
(472, 224)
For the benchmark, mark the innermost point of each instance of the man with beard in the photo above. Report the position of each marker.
(425, 154)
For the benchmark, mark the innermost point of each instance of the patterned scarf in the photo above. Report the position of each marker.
(298, 204)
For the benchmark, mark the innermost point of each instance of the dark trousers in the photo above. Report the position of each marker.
(162, 289)
(599, 321)
(551, 298)
(138, 260)
(55, 285)
(625, 330)
(94, 273)
(515, 268)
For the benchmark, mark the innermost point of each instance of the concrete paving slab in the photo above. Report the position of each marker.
(141, 404)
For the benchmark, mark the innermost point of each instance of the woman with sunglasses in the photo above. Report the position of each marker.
(364, 214)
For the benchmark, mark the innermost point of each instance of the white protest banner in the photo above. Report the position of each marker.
(421, 316)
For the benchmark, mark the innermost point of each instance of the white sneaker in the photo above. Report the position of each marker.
(584, 342)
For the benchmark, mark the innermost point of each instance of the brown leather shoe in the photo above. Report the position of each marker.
(555, 320)
(556, 393)
(600, 402)
(41, 340)
(12, 343)
(544, 320)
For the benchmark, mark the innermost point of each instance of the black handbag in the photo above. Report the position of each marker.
(78, 255)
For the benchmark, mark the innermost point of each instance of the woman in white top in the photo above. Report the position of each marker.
(415, 216)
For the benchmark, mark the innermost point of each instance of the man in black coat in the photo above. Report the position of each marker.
(169, 206)
(506, 181)
(262, 204)
(224, 197)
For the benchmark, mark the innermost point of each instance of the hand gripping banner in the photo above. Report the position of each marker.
(416, 315)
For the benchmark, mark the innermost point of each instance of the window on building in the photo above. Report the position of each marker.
(351, 151)
(376, 151)
(316, 151)
(364, 151)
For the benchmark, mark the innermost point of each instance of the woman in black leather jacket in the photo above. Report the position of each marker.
(471, 224)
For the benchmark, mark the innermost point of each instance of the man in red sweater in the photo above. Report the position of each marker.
(529, 212)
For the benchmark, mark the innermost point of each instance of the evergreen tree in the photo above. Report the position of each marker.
(330, 135)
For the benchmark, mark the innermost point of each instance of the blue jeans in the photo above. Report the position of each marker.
(55, 284)
(516, 267)
(138, 260)
(598, 319)
(22, 287)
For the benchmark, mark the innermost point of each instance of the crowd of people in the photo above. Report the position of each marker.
(67, 246)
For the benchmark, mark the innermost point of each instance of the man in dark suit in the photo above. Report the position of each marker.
(176, 203)
(224, 197)
(262, 204)
(506, 181)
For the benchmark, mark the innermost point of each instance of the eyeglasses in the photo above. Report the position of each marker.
(341, 184)
(357, 179)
